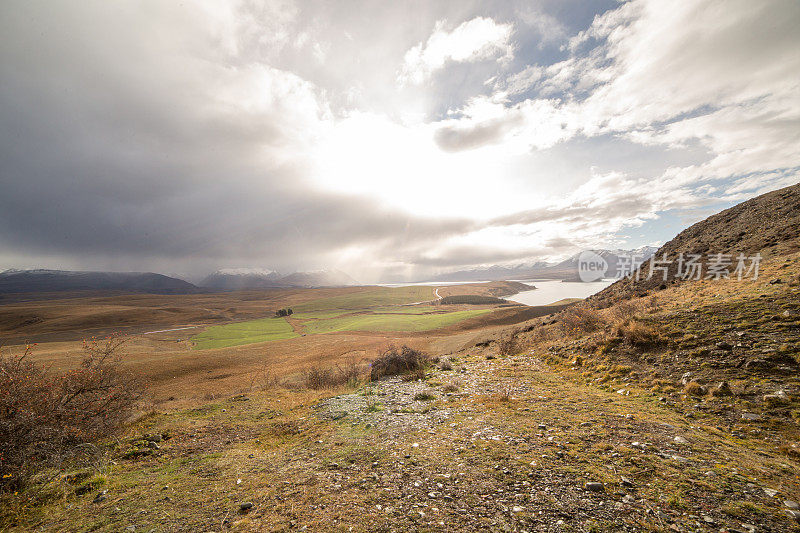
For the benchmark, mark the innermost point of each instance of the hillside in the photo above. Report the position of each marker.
(27, 281)
(768, 224)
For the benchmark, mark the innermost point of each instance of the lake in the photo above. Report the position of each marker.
(549, 291)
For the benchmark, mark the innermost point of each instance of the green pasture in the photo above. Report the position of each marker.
(249, 332)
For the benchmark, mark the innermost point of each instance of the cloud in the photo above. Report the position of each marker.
(274, 133)
(478, 39)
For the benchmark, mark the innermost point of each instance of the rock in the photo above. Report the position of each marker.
(789, 504)
(594, 487)
(722, 389)
(751, 417)
(680, 440)
(628, 499)
(101, 497)
(776, 281)
(793, 514)
(758, 364)
(776, 400)
(153, 445)
(245, 506)
(517, 509)
(770, 492)
(724, 346)
(154, 438)
(625, 482)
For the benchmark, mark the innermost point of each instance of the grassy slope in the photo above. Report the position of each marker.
(251, 331)
(391, 322)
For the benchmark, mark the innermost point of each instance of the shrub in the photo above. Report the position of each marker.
(693, 388)
(316, 377)
(424, 397)
(395, 361)
(445, 364)
(580, 319)
(639, 334)
(47, 418)
(509, 344)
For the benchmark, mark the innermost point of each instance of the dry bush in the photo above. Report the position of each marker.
(509, 344)
(580, 319)
(396, 361)
(316, 377)
(453, 386)
(639, 334)
(445, 364)
(265, 379)
(693, 388)
(47, 418)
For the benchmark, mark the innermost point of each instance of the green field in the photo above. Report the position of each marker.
(396, 309)
(373, 297)
(252, 331)
(394, 322)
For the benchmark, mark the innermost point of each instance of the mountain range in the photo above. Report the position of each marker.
(565, 270)
(27, 281)
(253, 278)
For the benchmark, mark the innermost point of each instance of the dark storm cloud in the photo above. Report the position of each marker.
(109, 148)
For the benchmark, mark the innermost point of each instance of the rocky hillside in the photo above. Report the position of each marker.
(768, 225)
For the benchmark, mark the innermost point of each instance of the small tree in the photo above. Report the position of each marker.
(48, 418)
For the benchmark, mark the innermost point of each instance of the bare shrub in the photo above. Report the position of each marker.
(348, 373)
(445, 364)
(265, 379)
(580, 319)
(47, 418)
(453, 386)
(396, 361)
(509, 344)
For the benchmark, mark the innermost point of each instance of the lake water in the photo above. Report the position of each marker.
(549, 291)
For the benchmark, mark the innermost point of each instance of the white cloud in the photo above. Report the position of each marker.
(475, 40)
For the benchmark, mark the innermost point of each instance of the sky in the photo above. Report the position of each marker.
(391, 140)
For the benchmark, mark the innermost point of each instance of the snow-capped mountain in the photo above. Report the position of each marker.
(233, 279)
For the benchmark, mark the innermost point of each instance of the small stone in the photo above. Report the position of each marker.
(789, 504)
(245, 506)
(680, 440)
(722, 389)
(751, 417)
(776, 400)
(793, 514)
(517, 509)
(625, 482)
(415, 445)
(724, 346)
(153, 445)
(594, 487)
(770, 492)
(101, 496)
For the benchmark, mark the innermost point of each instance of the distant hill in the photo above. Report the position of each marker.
(27, 281)
(566, 270)
(768, 224)
(247, 278)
